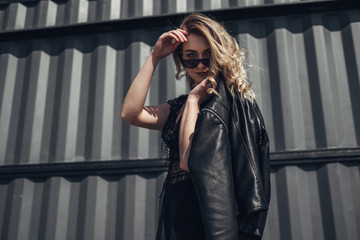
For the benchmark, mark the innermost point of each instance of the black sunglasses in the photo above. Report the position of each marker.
(192, 63)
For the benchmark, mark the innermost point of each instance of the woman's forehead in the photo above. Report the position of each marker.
(196, 42)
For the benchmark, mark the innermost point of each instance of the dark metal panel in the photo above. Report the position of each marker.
(36, 14)
(61, 98)
(173, 19)
(13, 17)
(8, 65)
(350, 38)
(308, 202)
(156, 165)
(123, 207)
(303, 78)
(314, 202)
(72, 169)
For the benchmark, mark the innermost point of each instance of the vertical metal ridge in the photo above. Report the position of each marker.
(88, 203)
(323, 78)
(133, 54)
(302, 205)
(6, 195)
(31, 78)
(46, 221)
(42, 74)
(8, 65)
(340, 96)
(344, 218)
(62, 190)
(298, 26)
(14, 17)
(73, 74)
(314, 85)
(119, 95)
(74, 12)
(2, 17)
(109, 102)
(76, 209)
(287, 82)
(144, 134)
(23, 202)
(124, 128)
(24, 108)
(96, 96)
(276, 104)
(46, 14)
(129, 217)
(350, 36)
(62, 98)
(139, 208)
(354, 174)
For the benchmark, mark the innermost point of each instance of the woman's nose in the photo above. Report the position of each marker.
(201, 65)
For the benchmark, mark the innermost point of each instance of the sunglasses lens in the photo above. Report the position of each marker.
(206, 62)
(192, 63)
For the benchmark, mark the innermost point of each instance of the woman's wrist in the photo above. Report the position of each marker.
(192, 100)
(193, 103)
(155, 59)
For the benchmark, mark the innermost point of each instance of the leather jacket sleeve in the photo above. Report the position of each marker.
(210, 167)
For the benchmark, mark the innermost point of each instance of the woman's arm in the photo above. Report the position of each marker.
(187, 126)
(134, 112)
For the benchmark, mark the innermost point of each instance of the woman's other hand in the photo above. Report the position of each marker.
(199, 93)
(168, 42)
(196, 97)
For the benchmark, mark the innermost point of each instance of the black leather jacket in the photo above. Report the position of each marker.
(229, 164)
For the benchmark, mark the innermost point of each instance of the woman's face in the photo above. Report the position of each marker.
(196, 47)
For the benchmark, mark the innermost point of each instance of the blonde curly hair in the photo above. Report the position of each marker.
(226, 56)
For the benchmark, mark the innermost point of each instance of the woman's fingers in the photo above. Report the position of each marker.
(183, 31)
(202, 87)
(205, 83)
(169, 41)
(180, 35)
(177, 35)
(174, 36)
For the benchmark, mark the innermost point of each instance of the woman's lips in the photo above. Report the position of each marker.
(202, 74)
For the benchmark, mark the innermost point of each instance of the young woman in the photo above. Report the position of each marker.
(218, 184)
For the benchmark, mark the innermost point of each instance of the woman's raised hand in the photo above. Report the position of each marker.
(168, 42)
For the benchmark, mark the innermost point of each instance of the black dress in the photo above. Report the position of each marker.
(179, 215)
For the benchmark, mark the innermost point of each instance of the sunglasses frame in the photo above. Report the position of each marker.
(185, 62)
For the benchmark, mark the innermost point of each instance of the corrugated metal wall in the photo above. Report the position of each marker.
(308, 202)
(72, 169)
(44, 13)
(80, 208)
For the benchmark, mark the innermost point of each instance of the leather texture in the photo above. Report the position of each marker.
(229, 164)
